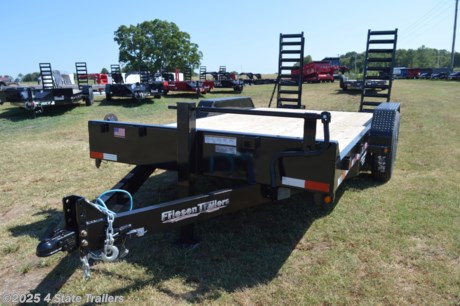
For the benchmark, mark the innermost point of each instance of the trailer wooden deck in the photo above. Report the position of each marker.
(346, 128)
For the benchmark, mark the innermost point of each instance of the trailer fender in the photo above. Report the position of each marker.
(383, 140)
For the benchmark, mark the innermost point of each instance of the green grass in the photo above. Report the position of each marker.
(391, 244)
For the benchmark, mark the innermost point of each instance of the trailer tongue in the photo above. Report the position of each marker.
(265, 154)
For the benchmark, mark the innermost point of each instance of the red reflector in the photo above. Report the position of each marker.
(318, 186)
(97, 155)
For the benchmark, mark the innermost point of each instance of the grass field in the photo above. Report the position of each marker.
(383, 244)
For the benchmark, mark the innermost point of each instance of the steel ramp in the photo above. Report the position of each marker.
(378, 69)
(289, 88)
(46, 74)
(82, 74)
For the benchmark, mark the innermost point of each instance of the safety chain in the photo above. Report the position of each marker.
(85, 266)
(110, 252)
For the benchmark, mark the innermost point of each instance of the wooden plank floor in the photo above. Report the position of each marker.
(345, 127)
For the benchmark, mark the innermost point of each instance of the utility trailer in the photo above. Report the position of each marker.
(358, 85)
(35, 99)
(315, 72)
(186, 84)
(144, 88)
(264, 154)
(223, 79)
(255, 79)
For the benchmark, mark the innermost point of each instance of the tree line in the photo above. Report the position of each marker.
(422, 57)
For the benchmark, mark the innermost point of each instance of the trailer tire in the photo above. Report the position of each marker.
(89, 100)
(382, 164)
(110, 117)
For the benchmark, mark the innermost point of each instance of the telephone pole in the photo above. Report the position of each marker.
(452, 55)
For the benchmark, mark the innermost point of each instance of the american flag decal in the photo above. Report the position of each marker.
(119, 132)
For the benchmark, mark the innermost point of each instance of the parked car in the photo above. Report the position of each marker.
(440, 76)
(454, 76)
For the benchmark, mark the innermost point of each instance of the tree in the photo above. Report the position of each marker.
(31, 77)
(105, 71)
(156, 44)
(307, 59)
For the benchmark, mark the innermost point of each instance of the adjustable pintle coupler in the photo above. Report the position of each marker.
(65, 239)
(78, 212)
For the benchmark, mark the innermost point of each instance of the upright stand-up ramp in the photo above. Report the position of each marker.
(289, 86)
(82, 74)
(378, 67)
(46, 74)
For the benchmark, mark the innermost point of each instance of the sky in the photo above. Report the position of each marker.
(241, 35)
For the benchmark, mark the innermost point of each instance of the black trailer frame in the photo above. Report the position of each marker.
(222, 79)
(35, 99)
(147, 87)
(255, 79)
(263, 167)
(358, 85)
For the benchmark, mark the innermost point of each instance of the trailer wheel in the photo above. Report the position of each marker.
(382, 165)
(89, 100)
(110, 117)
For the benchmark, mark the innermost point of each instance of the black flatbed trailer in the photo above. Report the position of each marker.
(36, 98)
(147, 87)
(358, 85)
(223, 79)
(266, 154)
(255, 79)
